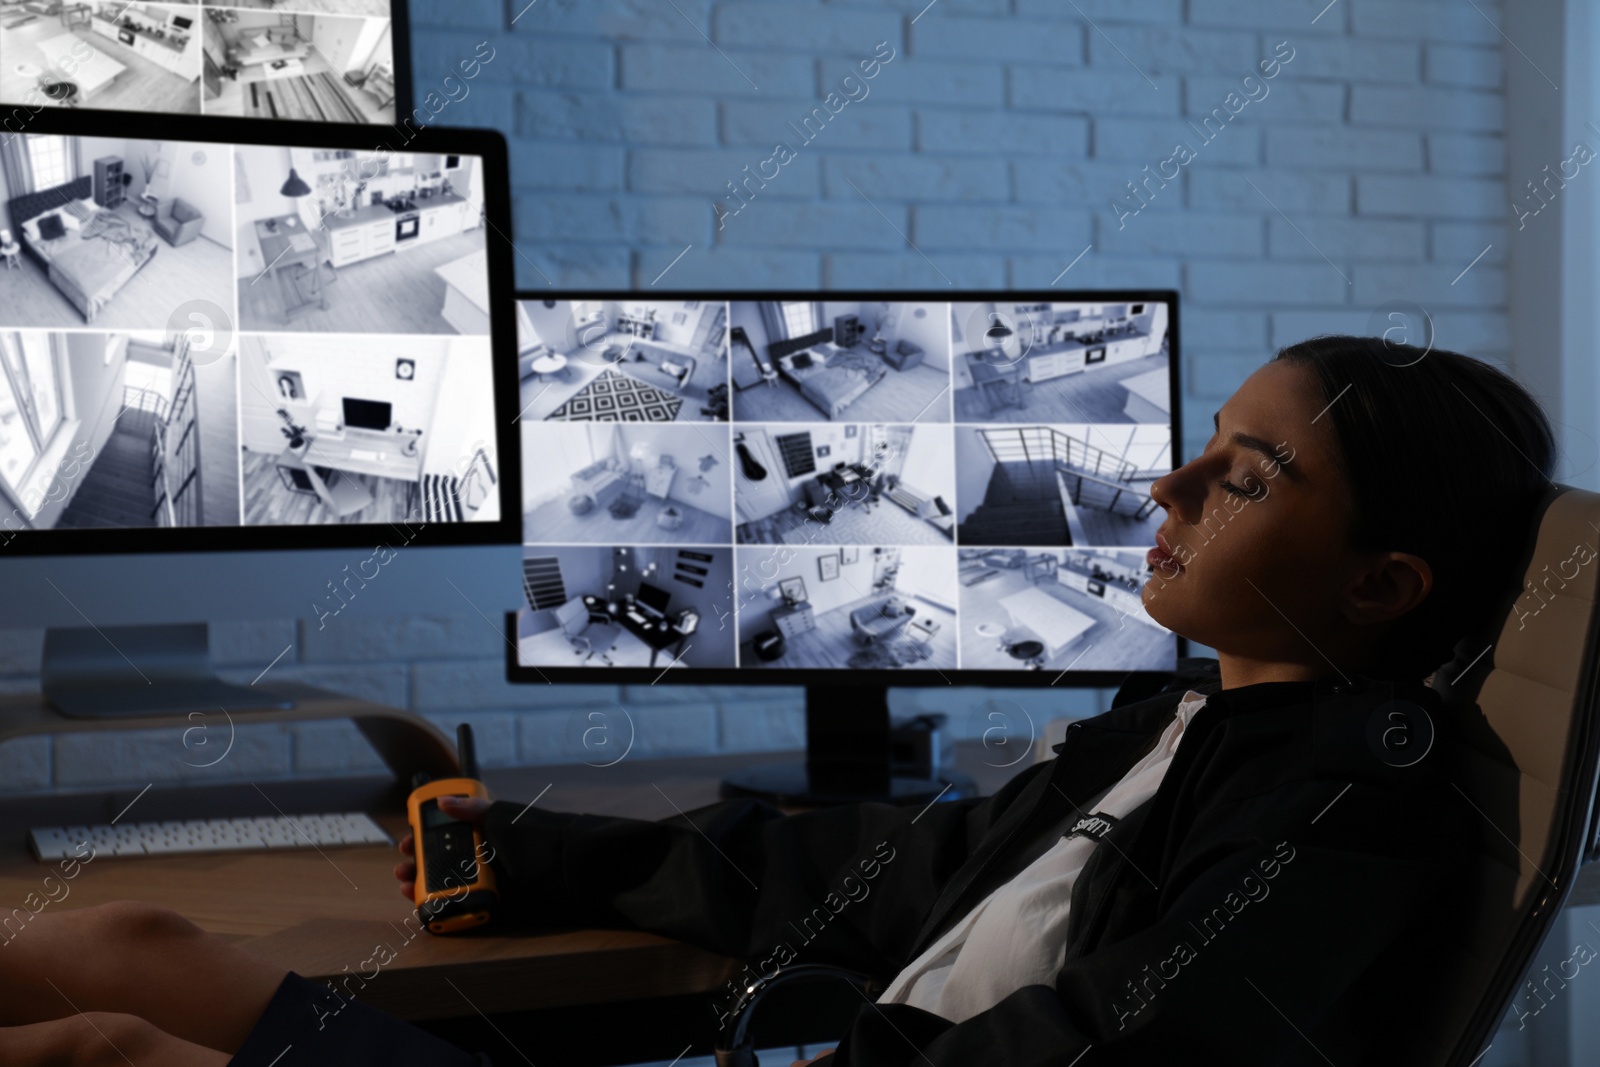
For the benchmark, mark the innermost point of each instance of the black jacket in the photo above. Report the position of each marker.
(1273, 903)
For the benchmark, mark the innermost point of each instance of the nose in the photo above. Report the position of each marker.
(1182, 493)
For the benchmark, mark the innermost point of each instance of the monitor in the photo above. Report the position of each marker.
(291, 61)
(954, 490)
(654, 597)
(175, 385)
(367, 414)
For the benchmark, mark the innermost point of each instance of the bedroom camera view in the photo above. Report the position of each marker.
(312, 60)
(112, 233)
(856, 513)
(840, 360)
(126, 400)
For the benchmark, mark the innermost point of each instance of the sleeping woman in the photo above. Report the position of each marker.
(1230, 870)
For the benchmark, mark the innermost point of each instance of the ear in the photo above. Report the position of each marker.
(1386, 586)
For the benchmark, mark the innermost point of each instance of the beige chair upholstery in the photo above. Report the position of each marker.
(1525, 700)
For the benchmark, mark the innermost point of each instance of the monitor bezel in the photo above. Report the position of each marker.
(487, 144)
(517, 673)
(399, 41)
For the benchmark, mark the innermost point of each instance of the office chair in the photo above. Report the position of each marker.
(1527, 700)
(1525, 696)
(339, 492)
(589, 633)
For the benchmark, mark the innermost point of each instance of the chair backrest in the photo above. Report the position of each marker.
(1525, 700)
(573, 616)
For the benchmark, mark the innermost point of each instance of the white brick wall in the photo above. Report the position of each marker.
(996, 140)
(451, 671)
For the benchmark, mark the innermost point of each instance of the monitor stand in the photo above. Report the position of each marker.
(117, 672)
(847, 758)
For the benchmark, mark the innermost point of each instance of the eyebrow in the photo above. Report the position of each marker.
(1256, 444)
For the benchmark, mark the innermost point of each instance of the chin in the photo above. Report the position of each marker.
(1164, 608)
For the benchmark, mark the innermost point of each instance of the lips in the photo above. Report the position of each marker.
(1162, 558)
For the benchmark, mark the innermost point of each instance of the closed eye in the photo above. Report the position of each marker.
(1229, 487)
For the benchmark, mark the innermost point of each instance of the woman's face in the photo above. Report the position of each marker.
(1260, 565)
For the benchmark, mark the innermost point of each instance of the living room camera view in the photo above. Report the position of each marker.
(316, 60)
(864, 528)
(624, 483)
(633, 361)
(299, 59)
(846, 608)
(126, 399)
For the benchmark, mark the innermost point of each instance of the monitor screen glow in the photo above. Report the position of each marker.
(231, 335)
(926, 488)
(320, 61)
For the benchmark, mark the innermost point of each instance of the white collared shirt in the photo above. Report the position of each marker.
(1017, 935)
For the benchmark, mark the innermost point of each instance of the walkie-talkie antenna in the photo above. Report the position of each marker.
(466, 751)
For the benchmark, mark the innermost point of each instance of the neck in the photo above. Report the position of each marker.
(1238, 671)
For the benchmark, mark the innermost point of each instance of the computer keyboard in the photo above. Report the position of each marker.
(337, 830)
(637, 616)
(362, 453)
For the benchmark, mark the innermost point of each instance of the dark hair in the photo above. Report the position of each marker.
(1447, 458)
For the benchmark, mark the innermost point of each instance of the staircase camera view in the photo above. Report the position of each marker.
(894, 485)
(127, 400)
(312, 60)
(116, 430)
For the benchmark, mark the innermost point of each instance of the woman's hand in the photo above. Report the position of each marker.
(468, 809)
(818, 1056)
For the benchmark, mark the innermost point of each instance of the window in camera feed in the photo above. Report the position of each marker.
(300, 60)
(216, 335)
(842, 485)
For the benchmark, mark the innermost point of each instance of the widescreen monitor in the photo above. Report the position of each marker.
(367, 414)
(333, 61)
(256, 409)
(890, 488)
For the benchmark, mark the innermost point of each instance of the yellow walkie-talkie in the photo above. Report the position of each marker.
(455, 888)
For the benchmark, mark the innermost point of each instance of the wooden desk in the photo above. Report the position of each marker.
(382, 455)
(320, 915)
(852, 488)
(280, 255)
